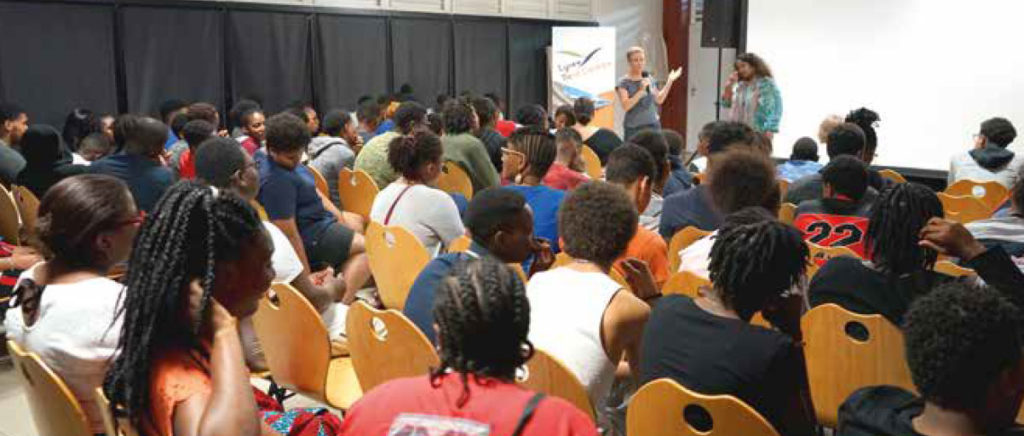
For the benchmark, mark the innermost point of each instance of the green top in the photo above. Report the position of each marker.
(373, 159)
(467, 151)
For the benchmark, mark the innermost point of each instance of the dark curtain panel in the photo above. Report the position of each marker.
(57, 57)
(480, 56)
(172, 53)
(421, 54)
(528, 63)
(269, 58)
(351, 59)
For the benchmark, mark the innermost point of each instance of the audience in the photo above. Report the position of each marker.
(601, 140)
(195, 132)
(64, 308)
(566, 172)
(368, 116)
(79, 123)
(482, 317)
(1005, 231)
(13, 124)
(867, 119)
(95, 146)
(46, 160)
(696, 257)
(502, 125)
(333, 150)
(235, 122)
(195, 111)
(846, 139)
(564, 117)
(106, 126)
(412, 202)
(252, 122)
(803, 161)
(532, 115)
(708, 344)
(493, 140)
(679, 179)
(168, 110)
(373, 158)
(989, 160)
(840, 217)
(632, 168)
(527, 159)
(655, 144)
(139, 163)
(827, 126)
(464, 149)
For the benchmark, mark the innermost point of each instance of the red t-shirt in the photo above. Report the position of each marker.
(505, 127)
(250, 145)
(829, 230)
(187, 165)
(411, 406)
(564, 178)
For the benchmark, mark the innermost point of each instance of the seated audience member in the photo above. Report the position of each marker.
(168, 110)
(139, 164)
(867, 120)
(105, 125)
(846, 139)
(368, 116)
(601, 140)
(1006, 231)
(606, 321)
(461, 147)
(697, 256)
(388, 107)
(632, 168)
(989, 160)
(679, 179)
(177, 125)
(963, 349)
(46, 160)
(503, 125)
(196, 111)
(288, 193)
(482, 316)
(694, 207)
(333, 150)
(563, 173)
(13, 124)
(311, 117)
(235, 123)
(412, 202)
(827, 126)
(708, 344)
(802, 162)
(64, 308)
(501, 227)
(195, 132)
(373, 158)
(564, 117)
(655, 144)
(493, 140)
(532, 115)
(95, 146)
(529, 154)
(202, 260)
(78, 123)
(435, 123)
(253, 129)
(840, 217)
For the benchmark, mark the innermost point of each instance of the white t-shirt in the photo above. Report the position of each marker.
(426, 212)
(75, 335)
(285, 261)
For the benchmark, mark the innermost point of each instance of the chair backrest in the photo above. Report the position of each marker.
(783, 188)
(847, 351)
(545, 373)
(681, 240)
(114, 426)
(385, 345)
(55, 410)
(356, 191)
(665, 408)
(892, 175)
(455, 180)
(991, 193)
(10, 219)
(460, 244)
(963, 209)
(820, 255)
(787, 213)
(684, 283)
(298, 365)
(591, 163)
(28, 208)
(321, 182)
(396, 259)
(951, 269)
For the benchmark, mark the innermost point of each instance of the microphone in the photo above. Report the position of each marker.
(645, 75)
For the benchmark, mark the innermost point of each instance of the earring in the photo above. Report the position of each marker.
(519, 178)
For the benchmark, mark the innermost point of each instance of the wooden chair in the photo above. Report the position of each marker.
(964, 209)
(321, 182)
(396, 258)
(681, 240)
(298, 350)
(455, 180)
(684, 283)
(787, 213)
(991, 193)
(385, 345)
(10, 220)
(661, 407)
(114, 426)
(563, 259)
(592, 163)
(783, 188)
(821, 255)
(460, 244)
(545, 373)
(892, 175)
(951, 269)
(55, 410)
(28, 208)
(356, 192)
(844, 352)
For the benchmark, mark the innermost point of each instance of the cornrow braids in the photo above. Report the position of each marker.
(538, 146)
(752, 263)
(483, 318)
(897, 217)
(191, 229)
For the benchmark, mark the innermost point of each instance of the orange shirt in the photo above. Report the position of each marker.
(176, 376)
(649, 247)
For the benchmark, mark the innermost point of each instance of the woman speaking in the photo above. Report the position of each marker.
(751, 96)
(640, 95)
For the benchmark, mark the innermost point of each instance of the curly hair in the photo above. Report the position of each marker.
(458, 116)
(596, 222)
(846, 175)
(897, 217)
(567, 112)
(760, 66)
(408, 154)
(867, 120)
(845, 139)
(743, 178)
(722, 135)
(287, 132)
(408, 115)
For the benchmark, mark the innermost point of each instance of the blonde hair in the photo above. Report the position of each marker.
(827, 126)
(633, 50)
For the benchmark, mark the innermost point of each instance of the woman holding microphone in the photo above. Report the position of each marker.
(640, 95)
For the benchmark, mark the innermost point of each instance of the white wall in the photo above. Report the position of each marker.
(580, 10)
(932, 69)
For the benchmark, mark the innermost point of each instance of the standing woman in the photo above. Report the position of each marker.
(752, 97)
(640, 95)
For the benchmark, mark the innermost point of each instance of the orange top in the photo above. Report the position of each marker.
(649, 247)
(176, 377)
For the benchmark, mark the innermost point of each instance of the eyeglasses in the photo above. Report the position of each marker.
(134, 221)
(512, 152)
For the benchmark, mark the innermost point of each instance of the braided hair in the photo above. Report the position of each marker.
(752, 263)
(538, 146)
(190, 231)
(483, 318)
(897, 217)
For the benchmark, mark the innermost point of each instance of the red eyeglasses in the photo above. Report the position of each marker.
(137, 220)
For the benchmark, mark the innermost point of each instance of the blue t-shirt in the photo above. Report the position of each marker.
(171, 139)
(146, 178)
(387, 126)
(544, 202)
(419, 305)
(794, 170)
(288, 194)
(688, 208)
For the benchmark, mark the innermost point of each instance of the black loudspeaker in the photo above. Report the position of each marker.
(721, 24)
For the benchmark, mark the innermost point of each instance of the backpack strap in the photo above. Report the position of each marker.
(324, 148)
(531, 406)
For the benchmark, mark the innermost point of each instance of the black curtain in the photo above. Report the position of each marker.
(172, 53)
(422, 56)
(269, 58)
(57, 57)
(480, 57)
(351, 59)
(528, 65)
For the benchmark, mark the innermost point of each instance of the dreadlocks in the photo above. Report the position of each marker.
(897, 217)
(483, 318)
(191, 229)
(752, 263)
(538, 146)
